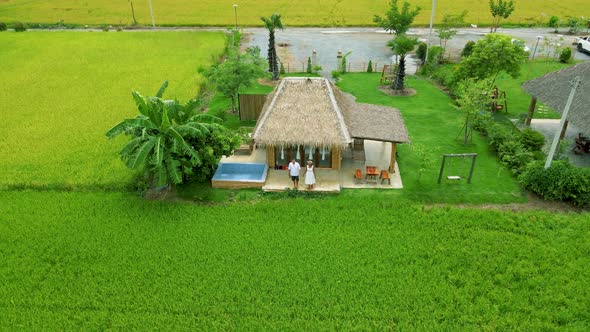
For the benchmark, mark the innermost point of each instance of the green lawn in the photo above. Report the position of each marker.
(61, 91)
(301, 13)
(110, 261)
(518, 100)
(435, 127)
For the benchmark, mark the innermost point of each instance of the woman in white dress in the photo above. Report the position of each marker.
(309, 176)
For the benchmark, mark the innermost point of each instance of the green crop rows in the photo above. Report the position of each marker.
(97, 261)
(303, 13)
(61, 91)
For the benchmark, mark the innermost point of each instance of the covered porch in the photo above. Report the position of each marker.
(375, 153)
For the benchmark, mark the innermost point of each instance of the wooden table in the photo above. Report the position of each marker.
(371, 174)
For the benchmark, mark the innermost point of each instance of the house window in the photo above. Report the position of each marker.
(321, 157)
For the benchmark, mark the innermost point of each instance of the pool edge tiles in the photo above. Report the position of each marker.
(233, 175)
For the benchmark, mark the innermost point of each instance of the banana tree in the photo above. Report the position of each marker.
(159, 137)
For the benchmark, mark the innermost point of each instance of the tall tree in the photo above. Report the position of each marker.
(236, 72)
(491, 55)
(159, 137)
(500, 9)
(448, 27)
(272, 23)
(401, 45)
(396, 21)
(473, 96)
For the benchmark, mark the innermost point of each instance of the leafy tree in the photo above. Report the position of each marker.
(236, 72)
(159, 137)
(401, 45)
(554, 23)
(447, 29)
(370, 67)
(272, 23)
(492, 55)
(396, 21)
(309, 69)
(473, 97)
(500, 9)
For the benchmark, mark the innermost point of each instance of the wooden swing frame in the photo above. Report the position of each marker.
(473, 156)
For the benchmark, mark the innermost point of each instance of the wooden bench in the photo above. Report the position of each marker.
(385, 176)
(358, 176)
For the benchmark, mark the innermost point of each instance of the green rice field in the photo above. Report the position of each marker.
(110, 261)
(61, 91)
(301, 13)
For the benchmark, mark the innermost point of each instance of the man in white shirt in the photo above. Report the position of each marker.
(294, 169)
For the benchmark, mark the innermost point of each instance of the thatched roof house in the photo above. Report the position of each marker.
(312, 117)
(554, 88)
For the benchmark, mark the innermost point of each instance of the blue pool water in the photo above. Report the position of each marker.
(240, 172)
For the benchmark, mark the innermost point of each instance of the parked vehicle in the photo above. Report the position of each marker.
(520, 43)
(584, 44)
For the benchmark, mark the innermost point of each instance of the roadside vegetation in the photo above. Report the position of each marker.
(305, 13)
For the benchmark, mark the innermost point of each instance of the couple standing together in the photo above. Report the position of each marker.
(294, 169)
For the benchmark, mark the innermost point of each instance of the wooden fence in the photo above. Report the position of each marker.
(353, 67)
(250, 106)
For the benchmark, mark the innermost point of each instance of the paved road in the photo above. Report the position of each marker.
(369, 43)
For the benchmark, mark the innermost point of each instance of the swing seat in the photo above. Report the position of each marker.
(453, 177)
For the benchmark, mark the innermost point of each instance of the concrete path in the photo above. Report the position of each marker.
(370, 44)
(548, 127)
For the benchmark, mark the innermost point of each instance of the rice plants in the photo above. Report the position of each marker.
(62, 90)
(303, 13)
(113, 261)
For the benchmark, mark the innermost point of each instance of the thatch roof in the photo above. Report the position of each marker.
(312, 111)
(374, 122)
(302, 111)
(554, 88)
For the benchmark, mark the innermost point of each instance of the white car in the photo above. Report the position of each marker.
(584, 44)
(520, 43)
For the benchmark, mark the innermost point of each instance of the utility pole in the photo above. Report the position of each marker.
(566, 110)
(233, 34)
(152, 14)
(430, 32)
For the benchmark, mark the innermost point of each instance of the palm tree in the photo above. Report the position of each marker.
(159, 134)
(401, 45)
(271, 23)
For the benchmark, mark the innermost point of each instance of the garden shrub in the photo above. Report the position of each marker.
(336, 75)
(468, 49)
(565, 55)
(532, 140)
(3, 26)
(561, 181)
(421, 51)
(498, 134)
(308, 65)
(20, 27)
(370, 67)
(445, 75)
(515, 156)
